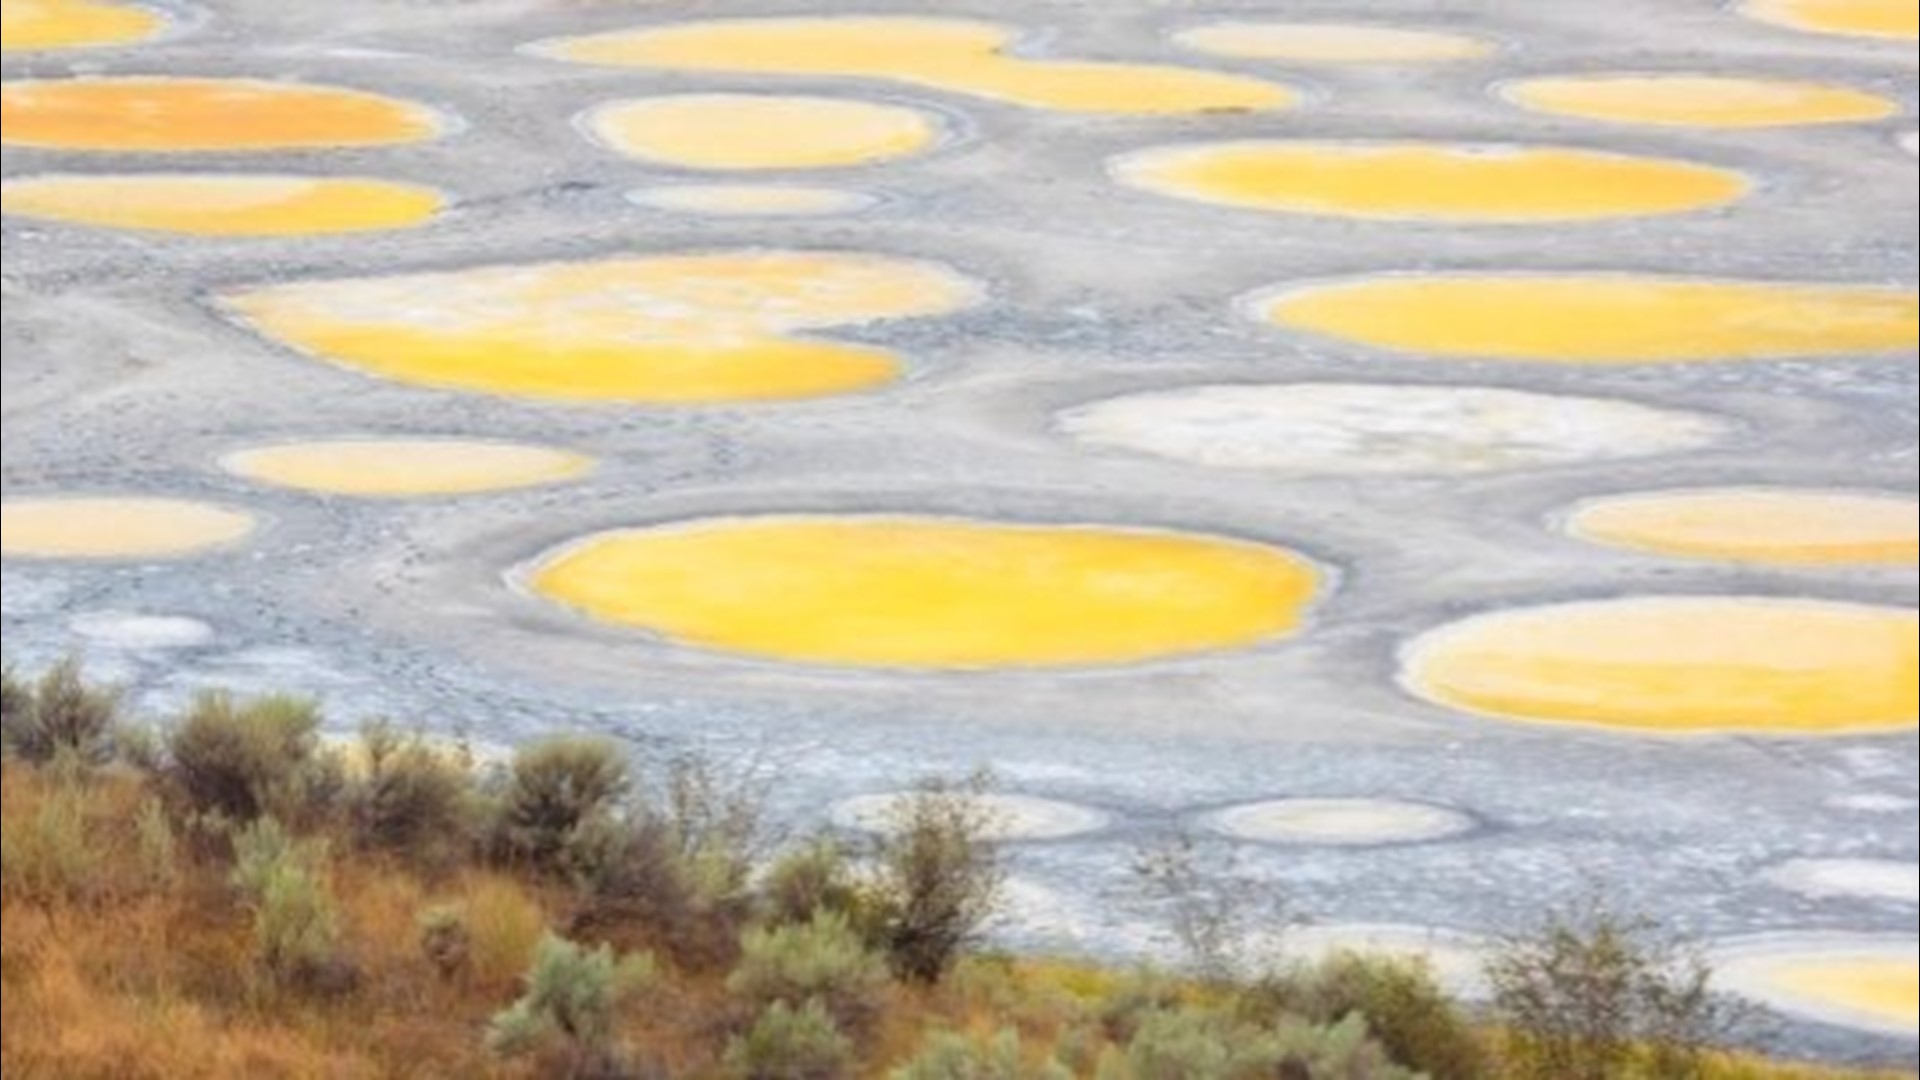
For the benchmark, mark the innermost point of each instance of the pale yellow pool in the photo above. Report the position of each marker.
(934, 592)
(1758, 525)
(761, 131)
(954, 55)
(398, 468)
(1897, 20)
(659, 329)
(1680, 665)
(32, 25)
(116, 528)
(1331, 43)
(210, 204)
(1603, 318)
(1416, 181)
(1707, 101)
(152, 114)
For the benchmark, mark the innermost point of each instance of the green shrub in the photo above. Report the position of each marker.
(823, 960)
(809, 880)
(62, 716)
(1407, 1011)
(446, 941)
(1199, 1044)
(567, 1014)
(554, 789)
(284, 884)
(157, 846)
(47, 856)
(950, 1056)
(791, 1043)
(16, 701)
(412, 798)
(1591, 994)
(940, 876)
(242, 761)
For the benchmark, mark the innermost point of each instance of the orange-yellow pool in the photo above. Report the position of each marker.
(954, 55)
(33, 25)
(1896, 20)
(914, 592)
(761, 131)
(216, 204)
(665, 329)
(399, 468)
(1680, 665)
(151, 114)
(1603, 318)
(93, 527)
(1707, 101)
(1416, 181)
(1758, 525)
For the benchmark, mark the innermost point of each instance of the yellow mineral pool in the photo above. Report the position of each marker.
(75, 527)
(1704, 101)
(954, 55)
(1865, 983)
(154, 114)
(1894, 20)
(1680, 666)
(732, 326)
(400, 468)
(913, 592)
(1332, 43)
(34, 25)
(1815, 528)
(210, 204)
(761, 131)
(1415, 181)
(1603, 318)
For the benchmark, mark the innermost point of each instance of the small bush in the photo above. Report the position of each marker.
(62, 717)
(1590, 993)
(554, 789)
(1196, 1044)
(446, 941)
(413, 799)
(791, 1043)
(1212, 909)
(717, 820)
(812, 879)
(628, 872)
(47, 856)
(157, 846)
(940, 876)
(823, 961)
(16, 701)
(1408, 1013)
(295, 929)
(242, 761)
(949, 1056)
(568, 1011)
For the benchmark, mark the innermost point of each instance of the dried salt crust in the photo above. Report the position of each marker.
(1862, 879)
(1008, 817)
